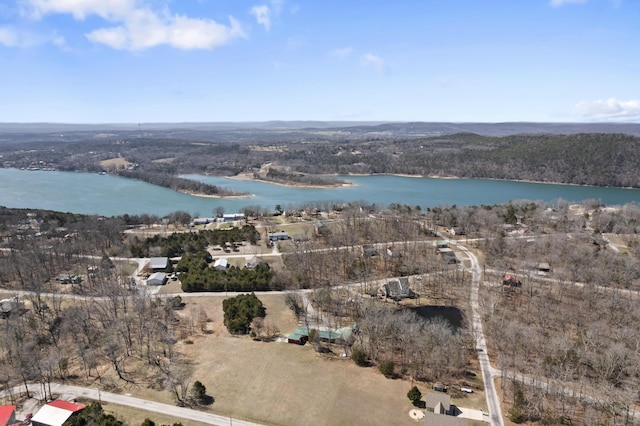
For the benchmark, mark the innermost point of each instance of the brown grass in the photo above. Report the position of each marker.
(118, 162)
(279, 383)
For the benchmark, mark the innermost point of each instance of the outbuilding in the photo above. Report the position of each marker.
(157, 278)
(158, 264)
(221, 264)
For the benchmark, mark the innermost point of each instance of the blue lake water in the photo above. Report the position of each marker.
(109, 195)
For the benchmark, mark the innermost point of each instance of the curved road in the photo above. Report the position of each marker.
(139, 404)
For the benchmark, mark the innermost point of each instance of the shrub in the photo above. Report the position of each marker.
(359, 356)
(198, 391)
(414, 395)
(387, 368)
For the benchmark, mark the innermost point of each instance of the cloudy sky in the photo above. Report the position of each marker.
(100, 61)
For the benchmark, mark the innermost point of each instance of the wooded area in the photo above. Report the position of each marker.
(601, 159)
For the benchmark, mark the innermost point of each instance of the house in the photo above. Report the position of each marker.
(231, 217)
(221, 264)
(396, 289)
(299, 337)
(7, 415)
(433, 419)
(277, 236)
(158, 264)
(157, 278)
(440, 244)
(440, 410)
(56, 413)
(199, 221)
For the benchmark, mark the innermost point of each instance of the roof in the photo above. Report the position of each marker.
(221, 262)
(433, 419)
(302, 331)
(432, 399)
(6, 411)
(56, 412)
(158, 262)
(157, 276)
(66, 405)
(329, 335)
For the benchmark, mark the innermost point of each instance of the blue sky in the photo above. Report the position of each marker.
(130, 61)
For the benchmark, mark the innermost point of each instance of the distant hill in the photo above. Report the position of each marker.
(395, 129)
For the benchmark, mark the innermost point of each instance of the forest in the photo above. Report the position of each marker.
(314, 157)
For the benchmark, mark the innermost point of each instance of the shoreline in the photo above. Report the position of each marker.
(245, 176)
(195, 194)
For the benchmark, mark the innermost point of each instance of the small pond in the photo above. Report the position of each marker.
(449, 314)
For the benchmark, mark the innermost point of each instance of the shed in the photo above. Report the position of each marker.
(157, 278)
(221, 264)
(56, 413)
(158, 264)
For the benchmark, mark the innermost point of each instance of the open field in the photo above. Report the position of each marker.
(118, 162)
(279, 383)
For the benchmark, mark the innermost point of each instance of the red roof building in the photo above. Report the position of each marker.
(7, 415)
(56, 413)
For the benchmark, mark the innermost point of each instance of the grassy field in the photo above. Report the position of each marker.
(118, 162)
(283, 384)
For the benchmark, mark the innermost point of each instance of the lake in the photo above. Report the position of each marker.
(106, 195)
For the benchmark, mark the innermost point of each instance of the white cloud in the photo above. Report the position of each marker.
(80, 9)
(138, 27)
(262, 14)
(8, 37)
(558, 3)
(374, 61)
(342, 52)
(610, 109)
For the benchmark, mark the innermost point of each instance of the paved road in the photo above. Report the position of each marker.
(140, 404)
(488, 372)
